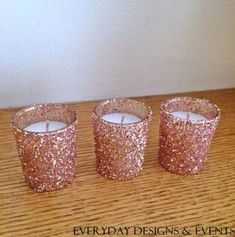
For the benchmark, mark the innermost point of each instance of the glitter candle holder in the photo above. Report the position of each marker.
(47, 158)
(120, 147)
(185, 143)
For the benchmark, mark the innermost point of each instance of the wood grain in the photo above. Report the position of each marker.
(155, 198)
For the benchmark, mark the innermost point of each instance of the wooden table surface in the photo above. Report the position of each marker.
(155, 198)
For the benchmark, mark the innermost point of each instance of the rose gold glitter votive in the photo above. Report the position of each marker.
(120, 146)
(185, 141)
(47, 157)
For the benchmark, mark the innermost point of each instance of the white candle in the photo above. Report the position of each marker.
(45, 126)
(188, 115)
(121, 118)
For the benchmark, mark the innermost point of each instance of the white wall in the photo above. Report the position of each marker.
(74, 50)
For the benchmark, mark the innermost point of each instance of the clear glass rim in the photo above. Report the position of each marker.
(183, 98)
(148, 109)
(36, 106)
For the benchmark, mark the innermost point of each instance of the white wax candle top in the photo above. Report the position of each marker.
(121, 118)
(45, 126)
(188, 115)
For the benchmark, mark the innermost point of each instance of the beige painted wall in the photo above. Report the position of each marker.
(75, 50)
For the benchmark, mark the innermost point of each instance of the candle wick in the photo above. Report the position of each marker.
(47, 125)
(187, 115)
(122, 120)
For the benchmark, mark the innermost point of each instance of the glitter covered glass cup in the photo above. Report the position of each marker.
(187, 126)
(47, 158)
(120, 146)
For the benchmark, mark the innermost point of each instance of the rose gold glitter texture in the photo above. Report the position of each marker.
(120, 147)
(184, 143)
(48, 158)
